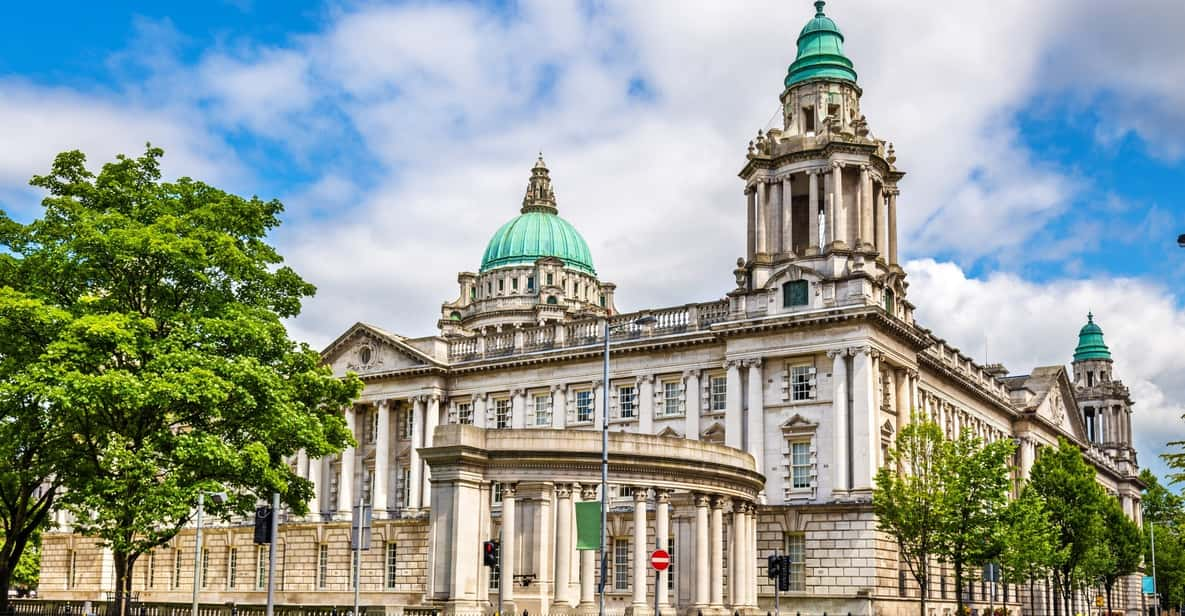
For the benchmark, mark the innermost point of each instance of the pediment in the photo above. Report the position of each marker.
(789, 273)
(1058, 407)
(365, 349)
(798, 424)
(669, 432)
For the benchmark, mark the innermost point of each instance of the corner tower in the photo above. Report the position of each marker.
(1104, 402)
(536, 269)
(821, 194)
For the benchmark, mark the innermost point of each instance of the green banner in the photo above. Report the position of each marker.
(588, 525)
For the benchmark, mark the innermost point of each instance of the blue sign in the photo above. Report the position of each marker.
(1149, 585)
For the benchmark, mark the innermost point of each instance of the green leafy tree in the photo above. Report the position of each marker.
(1121, 547)
(1075, 503)
(171, 371)
(1027, 543)
(976, 479)
(908, 502)
(1164, 512)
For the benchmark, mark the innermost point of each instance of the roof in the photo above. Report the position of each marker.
(820, 52)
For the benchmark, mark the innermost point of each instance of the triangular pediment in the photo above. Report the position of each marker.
(366, 349)
(1056, 403)
(669, 432)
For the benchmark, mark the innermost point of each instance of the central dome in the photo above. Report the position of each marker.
(538, 232)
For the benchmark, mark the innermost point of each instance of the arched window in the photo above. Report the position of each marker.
(456, 316)
(552, 300)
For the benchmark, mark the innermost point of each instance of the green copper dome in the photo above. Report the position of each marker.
(820, 52)
(1090, 342)
(538, 232)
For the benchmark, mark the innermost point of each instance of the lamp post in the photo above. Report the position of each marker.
(641, 321)
(1181, 240)
(218, 498)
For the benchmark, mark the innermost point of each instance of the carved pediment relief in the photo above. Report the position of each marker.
(365, 350)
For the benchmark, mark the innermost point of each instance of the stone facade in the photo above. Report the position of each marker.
(806, 369)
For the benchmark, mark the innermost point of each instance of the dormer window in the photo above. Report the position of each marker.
(550, 280)
(808, 120)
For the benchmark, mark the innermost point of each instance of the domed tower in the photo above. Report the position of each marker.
(821, 194)
(1105, 403)
(536, 268)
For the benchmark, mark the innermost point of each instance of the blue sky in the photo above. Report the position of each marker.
(1045, 145)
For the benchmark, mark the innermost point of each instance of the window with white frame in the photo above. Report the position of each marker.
(796, 553)
(671, 566)
(72, 569)
(800, 465)
(802, 382)
(627, 402)
(322, 565)
(502, 413)
(232, 566)
(542, 409)
(496, 491)
(409, 424)
(718, 393)
(260, 566)
(465, 413)
(391, 569)
(176, 569)
(405, 485)
(152, 569)
(372, 422)
(672, 398)
(584, 406)
(621, 564)
(496, 571)
(205, 568)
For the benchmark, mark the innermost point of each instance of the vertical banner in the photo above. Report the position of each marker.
(588, 525)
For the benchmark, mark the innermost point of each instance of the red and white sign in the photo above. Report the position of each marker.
(660, 560)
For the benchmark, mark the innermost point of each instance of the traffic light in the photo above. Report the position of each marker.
(784, 573)
(263, 524)
(774, 564)
(489, 553)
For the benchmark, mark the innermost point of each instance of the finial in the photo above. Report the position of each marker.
(819, 8)
(540, 197)
(1090, 317)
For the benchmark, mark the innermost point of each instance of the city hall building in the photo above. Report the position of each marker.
(739, 428)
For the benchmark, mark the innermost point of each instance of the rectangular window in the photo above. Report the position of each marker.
(406, 483)
(584, 406)
(514, 283)
(542, 409)
(796, 551)
(800, 464)
(671, 565)
(502, 413)
(808, 119)
(72, 569)
(530, 283)
(261, 567)
(392, 570)
(496, 575)
(627, 402)
(205, 568)
(501, 285)
(802, 382)
(465, 413)
(795, 293)
(176, 569)
(719, 393)
(232, 566)
(322, 565)
(409, 424)
(550, 280)
(151, 569)
(621, 564)
(672, 403)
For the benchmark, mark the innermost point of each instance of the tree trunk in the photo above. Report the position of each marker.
(924, 586)
(124, 564)
(1108, 587)
(958, 587)
(1032, 596)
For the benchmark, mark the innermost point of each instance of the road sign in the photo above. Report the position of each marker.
(660, 560)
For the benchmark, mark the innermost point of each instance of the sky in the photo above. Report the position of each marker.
(1044, 145)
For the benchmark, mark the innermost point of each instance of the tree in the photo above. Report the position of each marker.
(908, 504)
(1074, 502)
(976, 484)
(171, 371)
(1121, 548)
(1027, 542)
(1164, 512)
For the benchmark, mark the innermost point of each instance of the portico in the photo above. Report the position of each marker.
(539, 471)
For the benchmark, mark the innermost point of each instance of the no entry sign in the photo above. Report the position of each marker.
(660, 560)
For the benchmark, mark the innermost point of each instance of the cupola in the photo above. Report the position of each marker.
(820, 52)
(1090, 342)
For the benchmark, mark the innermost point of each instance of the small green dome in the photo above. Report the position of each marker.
(1090, 342)
(820, 52)
(537, 232)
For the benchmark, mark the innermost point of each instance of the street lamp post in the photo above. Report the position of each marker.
(641, 321)
(1181, 240)
(218, 498)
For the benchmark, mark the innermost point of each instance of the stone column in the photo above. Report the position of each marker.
(345, 479)
(563, 536)
(839, 403)
(691, 425)
(774, 217)
(892, 225)
(762, 206)
(559, 406)
(756, 431)
(865, 437)
(431, 418)
(735, 562)
(750, 552)
(641, 561)
(479, 410)
(813, 241)
(733, 428)
(751, 213)
(588, 564)
(829, 213)
(842, 233)
(863, 212)
(417, 441)
(518, 409)
(662, 530)
(716, 530)
(382, 459)
(901, 378)
(598, 404)
(703, 556)
(315, 477)
(644, 404)
(787, 212)
(509, 528)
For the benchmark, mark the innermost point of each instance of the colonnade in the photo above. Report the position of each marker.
(866, 220)
(1107, 424)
